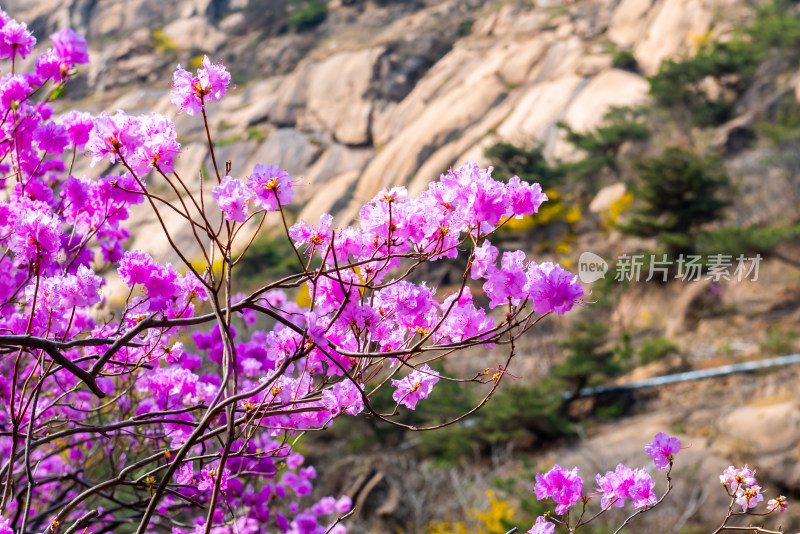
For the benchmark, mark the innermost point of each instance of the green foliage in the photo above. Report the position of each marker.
(782, 127)
(778, 341)
(681, 192)
(307, 14)
(625, 60)
(464, 28)
(747, 240)
(602, 145)
(268, 257)
(682, 85)
(653, 350)
(528, 163)
(255, 134)
(587, 362)
(731, 66)
(775, 27)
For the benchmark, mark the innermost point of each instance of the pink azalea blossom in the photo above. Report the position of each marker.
(271, 185)
(16, 40)
(748, 496)
(51, 138)
(232, 196)
(415, 386)
(79, 125)
(542, 526)
(779, 504)
(662, 449)
(208, 478)
(70, 46)
(523, 198)
(191, 93)
(485, 256)
(5, 526)
(114, 137)
(736, 478)
(563, 486)
(552, 289)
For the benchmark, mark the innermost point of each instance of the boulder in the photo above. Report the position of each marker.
(612, 87)
(604, 198)
(628, 22)
(669, 31)
(335, 96)
(195, 34)
(533, 119)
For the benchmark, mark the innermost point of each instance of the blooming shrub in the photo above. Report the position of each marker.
(112, 420)
(108, 420)
(565, 488)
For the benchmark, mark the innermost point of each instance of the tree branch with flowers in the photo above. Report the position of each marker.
(111, 420)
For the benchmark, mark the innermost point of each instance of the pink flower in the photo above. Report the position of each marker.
(317, 237)
(16, 40)
(344, 504)
(508, 281)
(48, 65)
(13, 88)
(36, 234)
(232, 197)
(523, 198)
(662, 449)
(616, 486)
(542, 526)
(738, 477)
(415, 386)
(779, 504)
(551, 288)
(160, 146)
(190, 93)
(343, 397)
(208, 477)
(749, 496)
(185, 474)
(51, 138)
(70, 46)
(135, 267)
(114, 137)
(79, 125)
(485, 256)
(641, 492)
(5, 526)
(271, 186)
(565, 487)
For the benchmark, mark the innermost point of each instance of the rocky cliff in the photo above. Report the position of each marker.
(381, 93)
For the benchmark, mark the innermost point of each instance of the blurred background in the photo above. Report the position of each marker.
(667, 136)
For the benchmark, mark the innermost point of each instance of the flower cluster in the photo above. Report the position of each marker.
(615, 487)
(268, 188)
(191, 93)
(156, 386)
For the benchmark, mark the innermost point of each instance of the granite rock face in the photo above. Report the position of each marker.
(377, 95)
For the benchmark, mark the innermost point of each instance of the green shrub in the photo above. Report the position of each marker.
(653, 350)
(747, 240)
(464, 28)
(625, 60)
(602, 145)
(268, 256)
(307, 14)
(681, 191)
(680, 85)
(526, 162)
